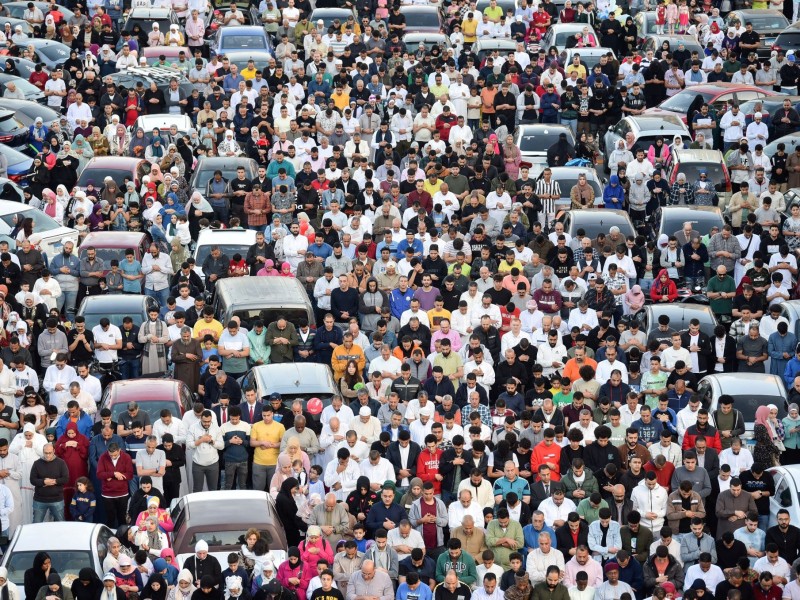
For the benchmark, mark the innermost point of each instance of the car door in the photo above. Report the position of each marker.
(722, 100)
(748, 95)
(783, 497)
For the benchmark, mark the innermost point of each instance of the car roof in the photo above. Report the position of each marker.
(529, 127)
(113, 162)
(593, 214)
(142, 390)
(742, 384)
(118, 303)
(688, 211)
(60, 536)
(113, 239)
(695, 154)
(649, 123)
(225, 236)
(252, 289)
(496, 43)
(8, 207)
(155, 51)
(215, 162)
(241, 29)
(289, 378)
(596, 51)
(204, 508)
(573, 172)
(138, 12)
(165, 118)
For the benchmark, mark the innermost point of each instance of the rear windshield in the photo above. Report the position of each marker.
(714, 170)
(243, 42)
(788, 39)
(96, 175)
(748, 405)
(93, 319)
(9, 125)
(702, 221)
(422, 19)
(681, 101)
(152, 408)
(268, 315)
(767, 23)
(227, 249)
(540, 141)
(108, 254)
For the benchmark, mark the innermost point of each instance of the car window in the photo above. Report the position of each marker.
(226, 538)
(41, 222)
(67, 563)
(102, 543)
(746, 96)
(788, 40)
(416, 19)
(681, 101)
(9, 125)
(783, 492)
(227, 249)
(722, 100)
(242, 42)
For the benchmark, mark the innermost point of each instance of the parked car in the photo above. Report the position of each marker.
(790, 310)
(769, 106)
(152, 394)
(560, 34)
(413, 39)
(111, 245)
(679, 314)
(671, 218)
(26, 87)
(119, 168)
(115, 307)
(768, 24)
(787, 493)
(423, 18)
(293, 381)
(653, 43)
(198, 517)
(13, 132)
(534, 139)
(154, 53)
(71, 546)
(163, 122)
(716, 94)
(749, 391)
(788, 39)
(51, 233)
(264, 298)
(27, 112)
(329, 14)
(19, 164)
(145, 17)
(230, 241)
(484, 47)
(567, 178)
(49, 52)
(17, 9)
(791, 141)
(691, 162)
(23, 65)
(241, 37)
(645, 129)
(596, 220)
(204, 170)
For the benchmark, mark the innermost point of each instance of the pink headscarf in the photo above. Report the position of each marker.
(635, 296)
(494, 144)
(762, 418)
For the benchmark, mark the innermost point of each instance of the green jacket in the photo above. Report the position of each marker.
(542, 592)
(464, 567)
(590, 485)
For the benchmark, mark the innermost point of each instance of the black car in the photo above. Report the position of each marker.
(702, 218)
(116, 307)
(27, 112)
(12, 131)
(679, 314)
(126, 80)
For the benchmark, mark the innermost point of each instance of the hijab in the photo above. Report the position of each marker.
(762, 418)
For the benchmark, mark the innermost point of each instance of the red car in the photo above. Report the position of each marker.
(152, 395)
(715, 94)
(112, 245)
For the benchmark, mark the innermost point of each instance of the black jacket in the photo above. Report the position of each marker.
(788, 543)
(564, 539)
(705, 356)
(393, 456)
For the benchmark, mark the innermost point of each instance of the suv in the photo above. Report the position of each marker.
(690, 162)
(145, 17)
(645, 129)
(128, 79)
(12, 132)
(788, 39)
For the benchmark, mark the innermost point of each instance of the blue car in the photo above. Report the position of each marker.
(18, 164)
(242, 37)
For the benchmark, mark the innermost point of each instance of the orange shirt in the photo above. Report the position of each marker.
(487, 98)
(572, 368)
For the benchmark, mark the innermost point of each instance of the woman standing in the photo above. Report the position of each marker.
(73, 449)
(791, 440)
(766, 451)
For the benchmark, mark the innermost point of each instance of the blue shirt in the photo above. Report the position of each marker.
(131, 286)
(423, 592)
(320, 251)
(400, 302)
(416, 245)
(519, 486)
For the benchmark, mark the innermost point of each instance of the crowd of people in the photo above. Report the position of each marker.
(504, 428)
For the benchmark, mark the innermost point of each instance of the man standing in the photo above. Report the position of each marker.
(48, 477)
(205, 439)
(265, 437)
(157, 270)
(114, 471)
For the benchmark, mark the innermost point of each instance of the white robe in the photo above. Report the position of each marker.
(739, 269)
(27, 456)
(12, 482)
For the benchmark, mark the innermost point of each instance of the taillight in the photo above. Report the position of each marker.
(776, 47)
(728, 188)
(6, 138)
(16, 178)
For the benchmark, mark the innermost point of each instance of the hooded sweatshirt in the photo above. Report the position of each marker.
(638, 195)
(614, 195)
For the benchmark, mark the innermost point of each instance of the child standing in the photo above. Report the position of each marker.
(83, 502)
(683, 17)
(661, 18)
(672, 16)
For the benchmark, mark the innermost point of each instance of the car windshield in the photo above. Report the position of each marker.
(93, 319)
(601, 225)
(54, 52)
(217, 538)
(107, 254)
(120, 176)
(768, 22)
(421, 18)
(702, 221)
(314, 383)
(153, 408)
(228, 172)
(247, 316)
(541, 140)
(714, 170)
(67, 563)
(243, 42)
(41, 222)
(227, 249)
(567, 183)
(681, 101)
(788, 40)
(748, 405)
(9, 125)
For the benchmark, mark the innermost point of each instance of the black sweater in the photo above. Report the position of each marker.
(53, 469)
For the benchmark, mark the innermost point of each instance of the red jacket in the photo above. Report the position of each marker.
(547, 454)
(428, 468)
(711, 434)
(670, 289)
(663, 476)
(110, 485)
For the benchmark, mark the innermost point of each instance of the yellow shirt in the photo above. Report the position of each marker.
(504, 267)
(579, 68)
(432, 188)
(341, 101)
(261, 432)
(201, 328)
(470, 30)
(248, 74)
(435, 315)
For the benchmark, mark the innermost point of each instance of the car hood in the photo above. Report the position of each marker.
(222, 557)
(53, 240)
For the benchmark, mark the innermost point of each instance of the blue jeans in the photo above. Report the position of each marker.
(159, 295)
(763, 522)
(699, 281)
(66, 303)
(571, 123)
(130, 369)
(40, 510)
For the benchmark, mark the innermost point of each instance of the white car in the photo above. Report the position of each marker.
(163, 122)
(71, 546)
(51, 234)
(230, 241)
(787, 493)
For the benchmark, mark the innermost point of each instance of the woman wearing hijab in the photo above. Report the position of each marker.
(369, 306)
(185, 587)
(53, 589)
(99, 143)
(766, 450)
(286, 507)
(156, 588)
(633, 300)
(234, 588)
(82, 151)
(38, 575)
(65, 170)
(185, 152)
(139, 140)
(361, 499)
(27, 456)
(663, 289)
(11, 68)
(73, 449)
(155, 37)
(198, 208)
(658, 153)
(87, 586)
(52, 207)
(630, 36)
(791, 439)
(155, 151)
(150, 538)
(290, 572)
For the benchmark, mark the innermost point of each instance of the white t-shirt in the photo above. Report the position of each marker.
(109, 336)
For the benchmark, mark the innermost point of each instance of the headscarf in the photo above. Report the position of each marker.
(762, 418)
(197, 202)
